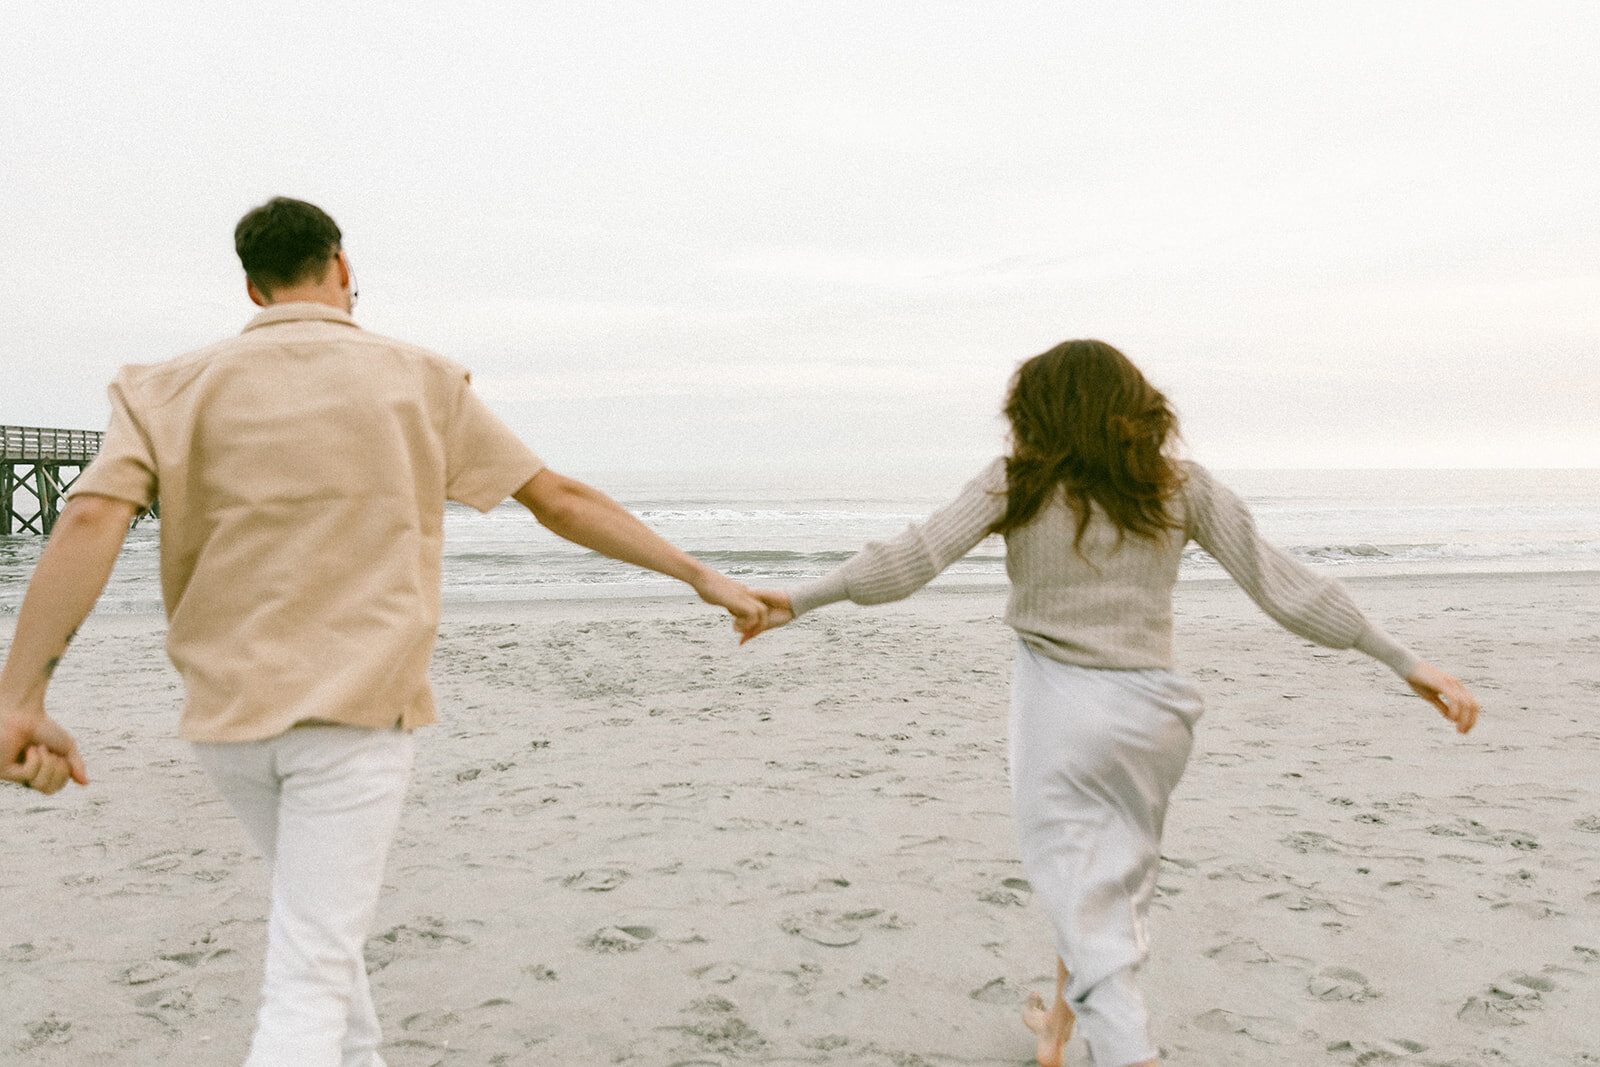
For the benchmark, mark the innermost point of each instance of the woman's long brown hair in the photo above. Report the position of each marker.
(1084, 418)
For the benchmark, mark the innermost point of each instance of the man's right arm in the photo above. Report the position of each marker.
(72, 571)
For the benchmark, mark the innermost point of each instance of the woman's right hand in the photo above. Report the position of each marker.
(1445, 693)
(779, 610)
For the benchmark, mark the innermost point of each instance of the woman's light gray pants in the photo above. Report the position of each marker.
(1095, 754)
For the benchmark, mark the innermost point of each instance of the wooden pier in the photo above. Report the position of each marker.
(37, 467)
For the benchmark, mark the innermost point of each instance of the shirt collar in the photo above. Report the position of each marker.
(299, 311)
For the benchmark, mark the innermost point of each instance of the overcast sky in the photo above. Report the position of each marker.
(782, 238)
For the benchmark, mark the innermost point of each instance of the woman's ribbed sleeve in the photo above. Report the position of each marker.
(894, 569)
(1303, 602)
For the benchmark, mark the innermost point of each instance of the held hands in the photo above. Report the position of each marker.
(779, 611)
(754, 611)
(38, 753)
(1445, 693)
(749, 613)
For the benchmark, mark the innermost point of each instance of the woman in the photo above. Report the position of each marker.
(1095, 513)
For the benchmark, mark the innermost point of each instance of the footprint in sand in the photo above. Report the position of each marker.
(424, 1021)
(28, 951)
(837, 930)
(718, 973)
(161, 862)
(1003, 898)
(1242, 951)
(596, 880)
(998, 991)
(1472, 830)
(149, 971)
(1505, 1001)
(1345, 906)
(443, 1018)
(171, 1007)
(1307, 842)
(610, 939)
(1260, 1028)
(1249, 873)
(1534, 910)
(51, 1030)
(1249, 951)
(1341, 983)
(718, 1028)
(424, 932)
(804, 979)
(1384, 1051)
(823, 929)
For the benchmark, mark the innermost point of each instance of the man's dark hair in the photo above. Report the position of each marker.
(285, 242)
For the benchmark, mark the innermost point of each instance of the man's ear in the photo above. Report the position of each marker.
(257, 297)
(344, 270)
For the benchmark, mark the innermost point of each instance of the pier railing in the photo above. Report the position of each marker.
(37, 467)
(38, 444)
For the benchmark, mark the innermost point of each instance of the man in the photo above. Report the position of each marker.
(302, 470)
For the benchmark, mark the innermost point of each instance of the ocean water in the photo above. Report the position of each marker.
(780, 532)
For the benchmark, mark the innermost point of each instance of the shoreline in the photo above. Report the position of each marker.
(570, 606)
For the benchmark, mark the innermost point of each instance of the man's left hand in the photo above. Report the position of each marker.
(749, 614)
(36, 752)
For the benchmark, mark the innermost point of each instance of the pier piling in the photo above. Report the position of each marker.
(37, 467)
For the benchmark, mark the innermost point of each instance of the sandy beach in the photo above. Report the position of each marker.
(630, 841)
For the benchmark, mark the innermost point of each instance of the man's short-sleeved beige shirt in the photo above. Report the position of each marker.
(302, 470)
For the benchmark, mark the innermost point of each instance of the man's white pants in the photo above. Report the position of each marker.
(321, 802)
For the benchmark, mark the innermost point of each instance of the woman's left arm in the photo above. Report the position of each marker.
(1312, 605)
(1315, 606)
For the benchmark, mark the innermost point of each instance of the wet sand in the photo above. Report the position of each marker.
(631, 842)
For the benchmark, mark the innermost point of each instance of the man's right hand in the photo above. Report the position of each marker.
(36, 752)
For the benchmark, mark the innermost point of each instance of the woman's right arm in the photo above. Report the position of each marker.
(896, 568)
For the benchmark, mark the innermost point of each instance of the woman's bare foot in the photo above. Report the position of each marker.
(1051, 1025)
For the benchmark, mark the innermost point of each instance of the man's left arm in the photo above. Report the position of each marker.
(72, 571)
(585, 516)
